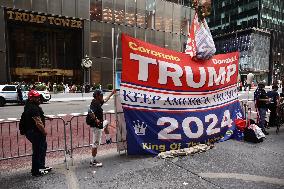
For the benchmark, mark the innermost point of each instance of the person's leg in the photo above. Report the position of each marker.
(272, 117)
(106, 130)
(43, 148)
(96, 143)
(33, 138)
(262, 115)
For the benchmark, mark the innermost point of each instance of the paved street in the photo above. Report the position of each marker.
(228, 165)
(60, 103)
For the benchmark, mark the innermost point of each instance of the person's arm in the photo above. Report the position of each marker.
(108, 97)
(39, 125)
(93, 116)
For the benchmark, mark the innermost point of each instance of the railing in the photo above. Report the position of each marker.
(64, 135)
(14, 145)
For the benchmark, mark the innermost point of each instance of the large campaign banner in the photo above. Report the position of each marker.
(172, 102)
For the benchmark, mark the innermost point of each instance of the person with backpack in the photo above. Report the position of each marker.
(97, 123)
(34, 129)
(261, 100)
(274, 102)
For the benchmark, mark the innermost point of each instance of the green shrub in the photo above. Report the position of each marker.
(59, 88)
(97, 86)
(109, 86)
(40, 87)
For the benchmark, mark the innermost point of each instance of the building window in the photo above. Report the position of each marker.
(119, 12)
(107, 10)
(150, 13)
(96, 10)
(130, 6)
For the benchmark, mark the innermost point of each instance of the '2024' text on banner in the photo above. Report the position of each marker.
(171, 102)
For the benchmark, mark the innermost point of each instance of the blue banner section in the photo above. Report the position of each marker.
(151, 132)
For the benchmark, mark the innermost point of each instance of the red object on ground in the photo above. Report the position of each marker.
(241, 124)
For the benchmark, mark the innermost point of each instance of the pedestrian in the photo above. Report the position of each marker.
(96, 113)
(261, 101)
(36, 133)
(249, 80)
(274, 102)
(20, 94)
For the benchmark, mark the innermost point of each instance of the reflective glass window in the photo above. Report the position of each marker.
(159, 16)
(107, 11)
(168, 17)
(150, 36)
(160, 38)
(168, 40)
(39, 5)
(140, 33)
(141, 13)
(23, 4)
(183, 20)
(69, 8)
(150, 13)
(83, 8)
(176, 18)
(176, 45)
(54, 6)
(130, 6)
(107, 43)
(96, 39)
(96, 10)
(119, 11)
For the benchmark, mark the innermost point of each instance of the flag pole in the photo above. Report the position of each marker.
(114, 57)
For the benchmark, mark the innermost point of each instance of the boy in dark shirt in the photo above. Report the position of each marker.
(274, 101)
(261, 101)
(96, 113)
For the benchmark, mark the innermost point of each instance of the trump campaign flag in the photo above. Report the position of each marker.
(172, 102)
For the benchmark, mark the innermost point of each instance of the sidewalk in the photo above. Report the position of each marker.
(228, 165)
(64, 97)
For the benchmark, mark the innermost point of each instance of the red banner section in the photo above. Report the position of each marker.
(166, 69)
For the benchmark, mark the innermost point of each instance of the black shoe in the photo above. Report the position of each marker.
(48, 169)
(265, 132)
(39, 173)
(109, 141)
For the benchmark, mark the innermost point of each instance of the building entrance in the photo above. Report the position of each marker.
(44, 53)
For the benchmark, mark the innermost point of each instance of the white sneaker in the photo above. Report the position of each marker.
(96, 163)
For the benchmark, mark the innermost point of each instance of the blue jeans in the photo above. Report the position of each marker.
(39, 146)
(262, 115)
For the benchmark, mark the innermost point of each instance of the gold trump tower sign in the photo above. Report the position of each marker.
(42, 19)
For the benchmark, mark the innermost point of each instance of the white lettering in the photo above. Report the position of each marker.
(189, 77)
(143, 61)
(164, 73)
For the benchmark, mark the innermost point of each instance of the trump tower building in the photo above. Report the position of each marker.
(46, 40)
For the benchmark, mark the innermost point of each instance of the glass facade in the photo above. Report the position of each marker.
(254, 28)
(158, 15)
(159, 22)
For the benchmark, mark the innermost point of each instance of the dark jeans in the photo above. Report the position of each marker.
(262, 115)
(272, 117)
(39, 146)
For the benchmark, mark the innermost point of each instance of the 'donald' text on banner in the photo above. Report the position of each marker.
(172, 102)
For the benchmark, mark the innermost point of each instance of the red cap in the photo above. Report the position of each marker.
(33, 93)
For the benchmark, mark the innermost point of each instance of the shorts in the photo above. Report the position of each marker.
(97, 134)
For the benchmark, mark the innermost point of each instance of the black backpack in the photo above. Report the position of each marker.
(22, 124)
(249, 136)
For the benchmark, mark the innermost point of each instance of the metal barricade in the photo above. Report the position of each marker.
(81, 134)
(14, 145)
